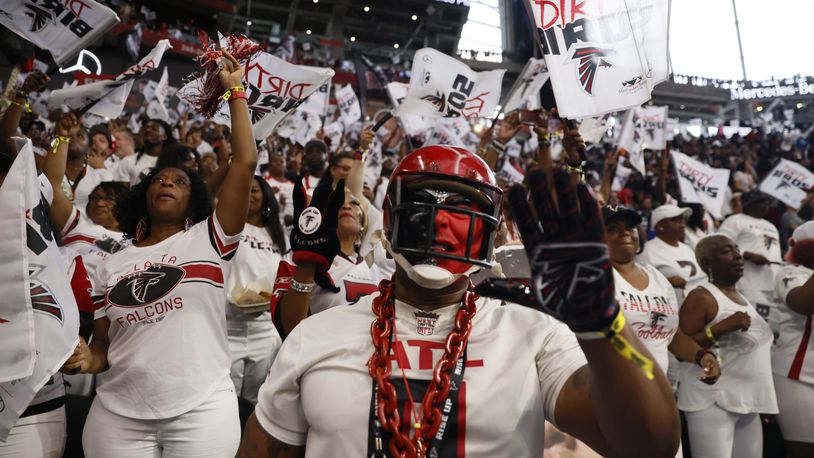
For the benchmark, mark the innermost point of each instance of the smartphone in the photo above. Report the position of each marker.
(530, 117)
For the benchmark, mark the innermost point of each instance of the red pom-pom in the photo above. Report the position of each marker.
(206, 98)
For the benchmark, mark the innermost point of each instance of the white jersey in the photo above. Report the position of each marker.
(651, 313)
(92, 241)
(168, 349)
(130, 169)
(746, 384)
(254, 268)
(517, 360)
(760, 237)
(792, 353)
(674, 260)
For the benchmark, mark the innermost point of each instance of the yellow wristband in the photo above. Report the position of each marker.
(229, 91)
(572, 169)
(710, 335)
(57, 141)
(613, 334)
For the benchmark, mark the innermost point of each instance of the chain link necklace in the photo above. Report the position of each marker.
(380, 369)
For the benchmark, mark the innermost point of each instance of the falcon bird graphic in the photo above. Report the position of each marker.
(40, 17)
(589, 60)
(42, 300)
(439, 100)
(143, 282)
(782, 185)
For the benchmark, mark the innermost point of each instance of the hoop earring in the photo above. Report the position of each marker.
(189, 222)
(141, 229)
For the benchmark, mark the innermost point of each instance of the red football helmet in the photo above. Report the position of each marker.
(460, 186)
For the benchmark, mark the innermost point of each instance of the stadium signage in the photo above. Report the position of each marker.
(769, 92)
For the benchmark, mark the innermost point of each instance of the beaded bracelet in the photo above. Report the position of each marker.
(301, 287)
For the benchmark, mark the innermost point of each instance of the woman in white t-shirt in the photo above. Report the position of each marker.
(159, 343)
(793, 351)
(647, 298)
(253, 341)
(723, 420)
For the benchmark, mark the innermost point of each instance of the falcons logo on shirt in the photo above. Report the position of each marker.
(768, 241)
(143, 282)
(40, 17)
(589, 59)
(655, 318)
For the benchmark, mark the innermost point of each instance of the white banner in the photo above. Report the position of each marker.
(603, 56)
(334, 132)
(163, 87)
(442, 86)
(525, 93)
(413, 125)
(109, 96)
(349, 109)
(788, 182)
(61, 27)
(274, 88)
(43, 286)
(700, 183)
(317, 102)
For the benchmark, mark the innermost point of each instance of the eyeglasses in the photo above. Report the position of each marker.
(93, 197)
(177, 181)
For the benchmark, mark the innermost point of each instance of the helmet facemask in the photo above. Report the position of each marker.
(441, 227)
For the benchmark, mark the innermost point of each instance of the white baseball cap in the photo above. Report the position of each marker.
(803, 231)
(668, 211)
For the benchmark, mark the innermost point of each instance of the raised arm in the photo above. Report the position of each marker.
(233, 201)
(608, 172)
(356, 178)
(54, 169)
(34, 82)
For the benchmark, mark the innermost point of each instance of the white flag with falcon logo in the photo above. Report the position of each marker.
(32, 276)
(63, 28)
(442, 86)
(603, 56)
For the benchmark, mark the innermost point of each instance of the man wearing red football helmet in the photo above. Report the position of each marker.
(348, 382)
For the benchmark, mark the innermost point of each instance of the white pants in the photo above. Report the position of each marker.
(716, 433)
(253, 344)
(795, 400)
(41, 435)
(209, 430)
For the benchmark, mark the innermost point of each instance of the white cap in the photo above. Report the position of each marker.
(668, 211)
(803, 231)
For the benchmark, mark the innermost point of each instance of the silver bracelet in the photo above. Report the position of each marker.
(301, 287)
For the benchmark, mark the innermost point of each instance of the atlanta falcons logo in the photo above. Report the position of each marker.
(439, 100)
(40, 17)
(589, 59)
(655, 318)
(143, 282)
(42, 300)
(782, 185)
(258, 112)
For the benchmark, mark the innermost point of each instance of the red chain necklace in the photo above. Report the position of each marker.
(380, 369)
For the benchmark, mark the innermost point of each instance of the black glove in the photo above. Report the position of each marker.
(572, 278)
(313, 237)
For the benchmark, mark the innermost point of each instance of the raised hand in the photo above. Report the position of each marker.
(313, 238)
(35, 82)
(564, 237)
(231, 73)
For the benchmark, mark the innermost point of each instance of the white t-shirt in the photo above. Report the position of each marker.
(651, 313)
(746, 384)
(794, 348)
(674, 260)
(168, 348)
(254, 267)
(130, 169)
(319, 390)
(760, 237)
(285, 195)
(92, 241)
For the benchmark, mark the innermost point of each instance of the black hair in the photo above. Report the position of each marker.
(6, 162)
(168, 138)
(114, 189)
(175, 155)
(270, 214)
(133, 207)
(696, 219)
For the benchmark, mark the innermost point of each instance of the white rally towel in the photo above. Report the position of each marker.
(45, 288)
(107, 98)
(788, 182)
(274, 88)
(162, 89)
(413, 125)
(349, 109)
(700, 183)
(603, 56)
(63, 28)
(317, 102)
(443, 86)
(525, 93)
